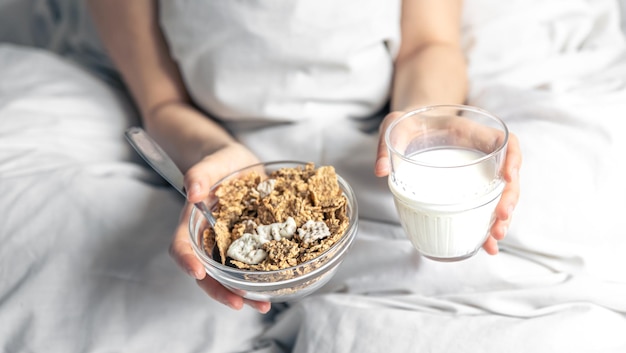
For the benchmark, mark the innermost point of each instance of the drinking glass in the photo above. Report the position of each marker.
(446, 177)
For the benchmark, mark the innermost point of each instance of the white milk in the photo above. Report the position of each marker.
(446, 211)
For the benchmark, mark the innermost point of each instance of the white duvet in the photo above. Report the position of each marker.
(85, 225)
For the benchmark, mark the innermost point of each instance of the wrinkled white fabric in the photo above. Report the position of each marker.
(284, 60)
(85, 225)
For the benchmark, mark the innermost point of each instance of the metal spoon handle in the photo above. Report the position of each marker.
(161, 162)
(152, 153)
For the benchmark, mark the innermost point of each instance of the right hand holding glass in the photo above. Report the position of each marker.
(459, 131)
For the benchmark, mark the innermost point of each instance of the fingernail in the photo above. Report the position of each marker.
(193, 273)
(381, 167)
(230, 304)
(262, 308)
(377, 166)
(193, 190)
(225, 302)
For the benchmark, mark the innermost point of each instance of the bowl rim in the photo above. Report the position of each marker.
(350, 231)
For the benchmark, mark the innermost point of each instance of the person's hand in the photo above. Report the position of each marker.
(510, 195)
(198, 180)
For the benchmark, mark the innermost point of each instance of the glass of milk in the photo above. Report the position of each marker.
(446, 177)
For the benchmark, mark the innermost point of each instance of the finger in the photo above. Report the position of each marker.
(218, 292)
(181, 250)
(491, 246)
(262, 307)
(510, 194)
(499, 229)
(508, 200)
(201, 176)
(513, 159)
(504, 210)
(198, 181)
(382, 165)
(473, 135)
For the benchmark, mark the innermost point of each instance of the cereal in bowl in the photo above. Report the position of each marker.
(272, 222)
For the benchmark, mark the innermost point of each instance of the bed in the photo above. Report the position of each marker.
(85, 225)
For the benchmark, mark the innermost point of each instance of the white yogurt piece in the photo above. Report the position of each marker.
(247, 249)
(277, 231)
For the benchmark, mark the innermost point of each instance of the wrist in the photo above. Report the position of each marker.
(185, 133)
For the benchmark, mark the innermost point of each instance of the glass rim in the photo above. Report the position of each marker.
(462, 107)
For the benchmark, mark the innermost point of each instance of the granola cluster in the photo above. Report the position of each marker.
(272, 222)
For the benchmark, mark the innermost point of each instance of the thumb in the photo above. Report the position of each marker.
(201, 176)
(197, 183)
(382, 166)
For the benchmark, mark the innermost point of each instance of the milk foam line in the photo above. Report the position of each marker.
(480, 201)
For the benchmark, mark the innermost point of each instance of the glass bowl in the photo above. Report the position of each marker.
(279, 285)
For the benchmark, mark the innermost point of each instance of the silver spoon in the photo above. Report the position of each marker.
(163, 164)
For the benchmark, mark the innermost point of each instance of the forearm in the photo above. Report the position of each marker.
(430, 67)
(185, 133)
(132, 37)
(436, 74)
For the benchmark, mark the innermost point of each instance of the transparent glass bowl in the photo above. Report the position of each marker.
(280, 285)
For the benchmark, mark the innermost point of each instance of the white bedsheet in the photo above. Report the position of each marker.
(85, 226)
